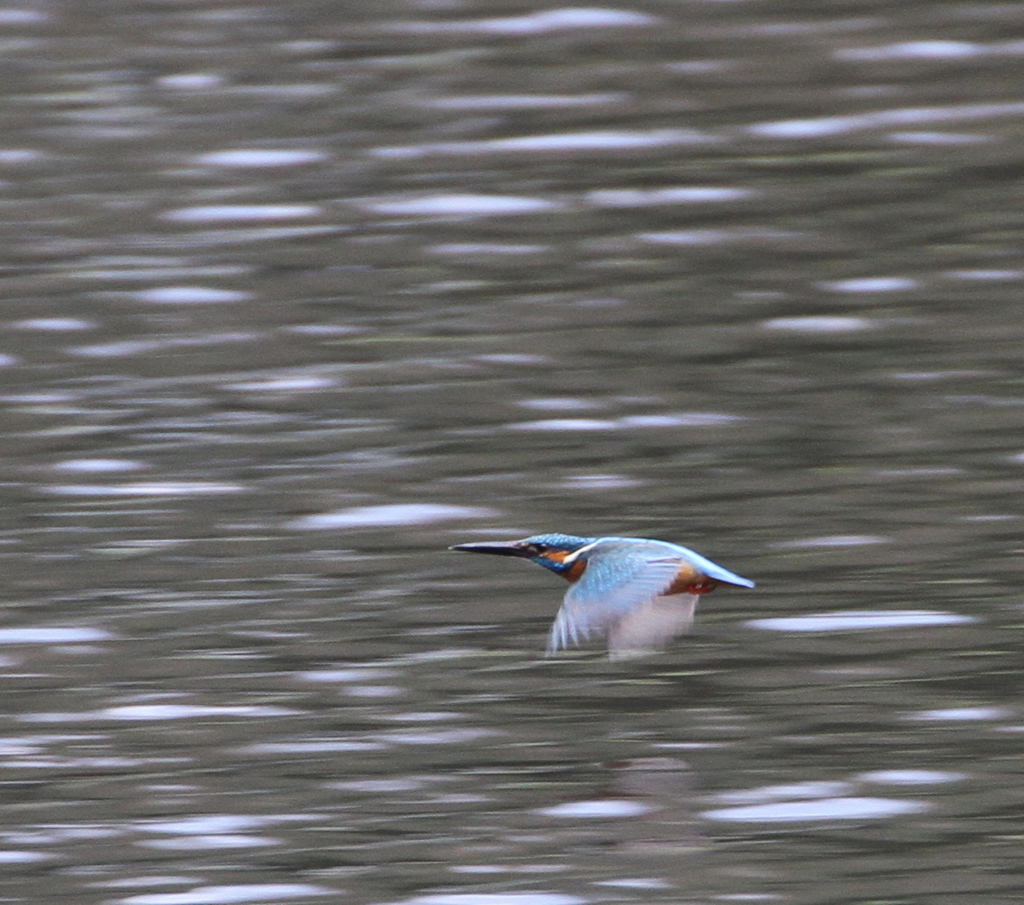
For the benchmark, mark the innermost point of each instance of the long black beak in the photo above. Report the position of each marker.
(498, 548)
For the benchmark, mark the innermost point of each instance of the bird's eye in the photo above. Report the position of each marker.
(540, 548)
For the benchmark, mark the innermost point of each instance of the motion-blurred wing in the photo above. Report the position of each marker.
(651, 625)
(619, 580)
(712, 569)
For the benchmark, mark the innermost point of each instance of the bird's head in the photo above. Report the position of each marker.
(548, 550)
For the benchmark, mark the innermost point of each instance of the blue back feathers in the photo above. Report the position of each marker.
(568, 543)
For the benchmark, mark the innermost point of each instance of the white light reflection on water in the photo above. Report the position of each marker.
(227, 895)
(608, 140)
(600, 482)
(437, 737)
(911, 777)
(568, 19)
(960, 714)
(719, 236)
(137, 268)
(53, 635)
(559, 404)
(692, 237)
(513, 358)
(665, 196)
(147, 712)
(218, 831)
(191, 81)
(55, 324)
(495, 898)
(294, 384)
(374, 691)
(870, 284)
(941, 50)
(191, 295)
(832, 540)
(143, 488)
(389, 515)
(16, 156)
(983, 275)
(139, 882)
(636, 883)
(95, 764)
(241, 212)
(312, 746)
(99, 466)
(839, 125)
(938, 138)
(260, 157)
(860, 620)
(680, 419)
(820, 324)
(523, 101)
(465, 205)
(212, 841)
(16, 857)
(424, 716)
(379, 786)
(597, 809)
(462, 249)
(865, 808)
(667, 419)
(566, 424)
(344, 674)
(131, 347)
(220, 823)
(786, 792)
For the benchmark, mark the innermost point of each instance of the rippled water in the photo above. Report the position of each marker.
(298, 295)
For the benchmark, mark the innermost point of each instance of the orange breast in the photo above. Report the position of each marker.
(574, 571)
(690, 581)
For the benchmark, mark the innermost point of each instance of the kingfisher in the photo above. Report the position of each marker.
(640, 593)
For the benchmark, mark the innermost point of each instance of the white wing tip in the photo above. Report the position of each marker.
(565, 633)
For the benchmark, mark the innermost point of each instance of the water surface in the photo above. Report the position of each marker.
(296, 296)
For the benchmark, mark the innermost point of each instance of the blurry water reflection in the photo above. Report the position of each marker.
(299, 295)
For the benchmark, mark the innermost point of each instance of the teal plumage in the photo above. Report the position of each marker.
(641, 593)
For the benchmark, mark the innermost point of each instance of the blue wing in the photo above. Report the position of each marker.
(711, 569)
(621, 576)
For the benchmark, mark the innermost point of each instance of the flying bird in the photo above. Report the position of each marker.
(640, 593)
